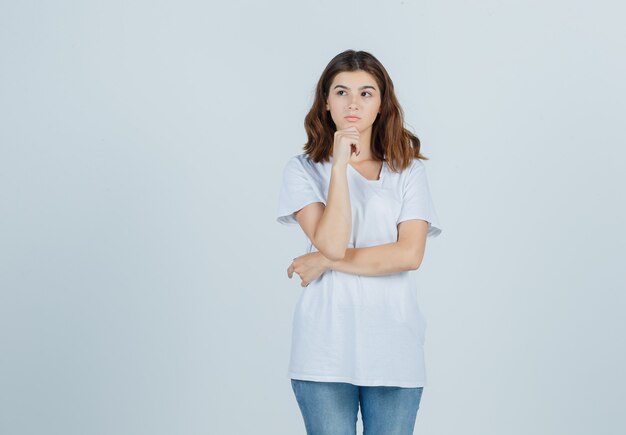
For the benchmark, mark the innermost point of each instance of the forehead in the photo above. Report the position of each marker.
(354, 79)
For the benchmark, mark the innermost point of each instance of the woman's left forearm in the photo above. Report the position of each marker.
(377, 260)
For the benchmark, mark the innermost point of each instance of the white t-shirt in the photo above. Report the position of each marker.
(364, 330)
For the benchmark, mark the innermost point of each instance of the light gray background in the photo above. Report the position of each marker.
(142, 272)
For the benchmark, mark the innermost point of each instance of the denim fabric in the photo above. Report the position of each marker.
(330, 408)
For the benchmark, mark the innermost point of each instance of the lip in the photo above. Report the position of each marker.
(352, 118)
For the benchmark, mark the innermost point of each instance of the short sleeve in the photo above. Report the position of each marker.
(296, 191)
(416, 199)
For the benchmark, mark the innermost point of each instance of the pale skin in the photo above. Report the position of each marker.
(329, 227)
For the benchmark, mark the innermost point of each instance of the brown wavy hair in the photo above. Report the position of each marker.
(390, 140)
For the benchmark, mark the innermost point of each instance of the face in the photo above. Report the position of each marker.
(354, 93)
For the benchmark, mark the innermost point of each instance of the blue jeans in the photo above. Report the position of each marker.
(330, 408)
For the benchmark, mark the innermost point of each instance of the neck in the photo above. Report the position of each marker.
(365, 141)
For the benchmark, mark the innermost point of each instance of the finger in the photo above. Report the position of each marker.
(290, 271)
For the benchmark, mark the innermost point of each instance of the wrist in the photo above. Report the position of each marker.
(326, 262)
(339, 167)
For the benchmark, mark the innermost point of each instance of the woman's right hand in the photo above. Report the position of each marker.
(345, 144)
(309, 267)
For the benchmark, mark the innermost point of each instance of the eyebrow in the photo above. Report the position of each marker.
(362, 87)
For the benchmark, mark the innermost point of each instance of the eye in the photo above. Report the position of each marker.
(339, 91)
(366, 92)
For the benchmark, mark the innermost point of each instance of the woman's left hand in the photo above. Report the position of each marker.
(309, 267)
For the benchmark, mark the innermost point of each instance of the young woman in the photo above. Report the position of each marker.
(360, 194)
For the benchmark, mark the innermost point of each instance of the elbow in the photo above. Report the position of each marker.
(332, 251)
(414, 265)
(333, 254)
(340, 255)
(415, 261)
(412, 254)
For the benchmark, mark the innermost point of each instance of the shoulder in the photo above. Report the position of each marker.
(417, 164)
(414, 163)
(302, 163)
(306, 162)
(294, 163)
(417, 167)
(414, 174)
(299, 168)
(300, 160)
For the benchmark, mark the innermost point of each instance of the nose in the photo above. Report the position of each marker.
(353, 104)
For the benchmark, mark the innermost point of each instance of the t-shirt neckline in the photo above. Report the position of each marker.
(358, 174)
(380, 177)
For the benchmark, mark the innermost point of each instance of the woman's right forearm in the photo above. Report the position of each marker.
(335, 226)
